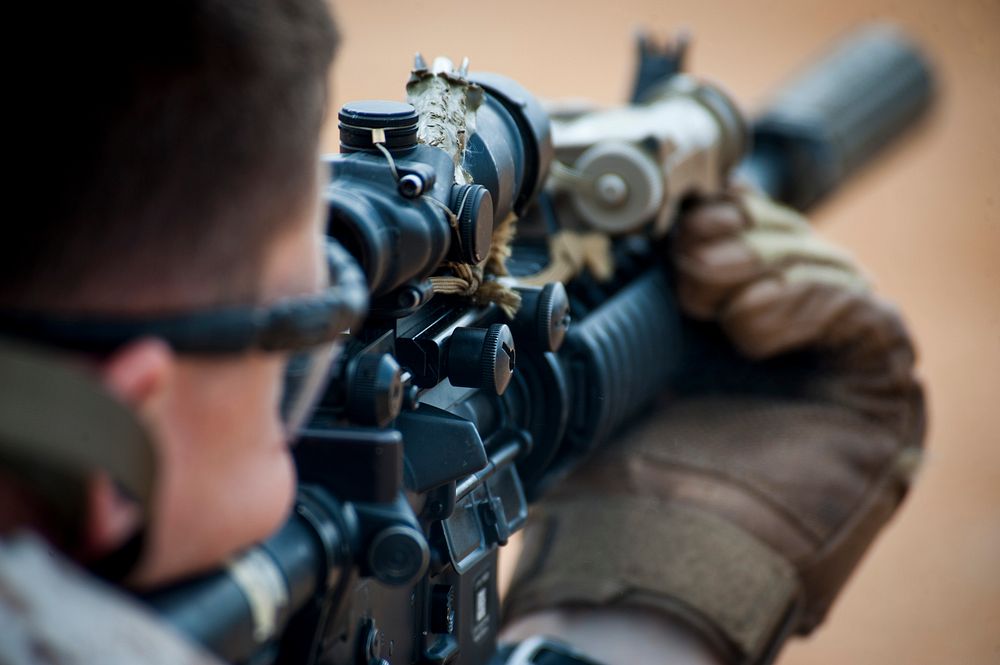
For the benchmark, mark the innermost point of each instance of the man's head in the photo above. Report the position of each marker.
(168, 144)
(172, 167)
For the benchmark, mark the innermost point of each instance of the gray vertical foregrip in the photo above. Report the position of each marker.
(835, 115)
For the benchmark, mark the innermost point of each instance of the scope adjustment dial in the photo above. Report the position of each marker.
(473, 206)
(481, 358)
(375, 390)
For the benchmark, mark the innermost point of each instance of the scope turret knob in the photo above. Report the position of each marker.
(481, 358)
(365, 123)
(473, 206)
(544, 315)
(375, 390)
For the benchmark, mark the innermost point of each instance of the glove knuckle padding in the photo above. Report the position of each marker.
(730, 511)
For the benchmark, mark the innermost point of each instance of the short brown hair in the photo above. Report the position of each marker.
(165, 146)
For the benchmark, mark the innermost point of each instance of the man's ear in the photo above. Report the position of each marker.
(139, 371)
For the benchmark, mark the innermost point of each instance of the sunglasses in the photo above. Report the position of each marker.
(308, 327)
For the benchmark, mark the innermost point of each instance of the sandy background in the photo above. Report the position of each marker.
(925, 221)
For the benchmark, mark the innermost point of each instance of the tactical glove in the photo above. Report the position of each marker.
(743, 503)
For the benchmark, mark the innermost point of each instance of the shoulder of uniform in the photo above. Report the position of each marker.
(53, 612)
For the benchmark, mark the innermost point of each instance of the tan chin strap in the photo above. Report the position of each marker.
(58, 424)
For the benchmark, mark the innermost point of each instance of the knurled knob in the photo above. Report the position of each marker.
(553, 315)
(481, 358)
(473, 206)
(544, 317)
(375, 390)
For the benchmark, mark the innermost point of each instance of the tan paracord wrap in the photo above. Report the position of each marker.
(571, 252)
(446, 103)
(474, 281)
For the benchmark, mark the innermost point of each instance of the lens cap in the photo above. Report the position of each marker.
(362, 121)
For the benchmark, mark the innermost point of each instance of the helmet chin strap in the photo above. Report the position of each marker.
(59, 425)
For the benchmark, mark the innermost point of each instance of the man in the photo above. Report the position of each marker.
(173, 175)
(143, 435)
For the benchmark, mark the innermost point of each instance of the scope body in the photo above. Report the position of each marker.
(390, 200)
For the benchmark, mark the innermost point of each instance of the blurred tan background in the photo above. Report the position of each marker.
(925, 221)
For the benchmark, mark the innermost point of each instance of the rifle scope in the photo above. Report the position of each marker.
(390, 194)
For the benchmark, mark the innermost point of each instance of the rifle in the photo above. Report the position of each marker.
(467, 392)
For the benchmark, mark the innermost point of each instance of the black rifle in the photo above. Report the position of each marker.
(446, 414)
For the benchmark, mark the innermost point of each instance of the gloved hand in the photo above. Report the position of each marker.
(740, 507)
